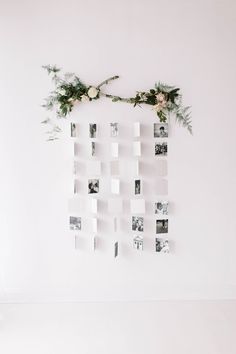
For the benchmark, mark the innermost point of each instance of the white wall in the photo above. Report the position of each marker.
(188, 43)
(137, 328)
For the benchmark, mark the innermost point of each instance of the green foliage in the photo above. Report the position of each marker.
(51, 69)
(162, 116)
(69, 89)
(116, 99)
(183, 117)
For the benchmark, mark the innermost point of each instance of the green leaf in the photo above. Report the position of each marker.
(115, 99)
(162, 116)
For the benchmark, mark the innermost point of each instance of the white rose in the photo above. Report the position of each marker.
(70, 99)
(84, 98)
(92, 92)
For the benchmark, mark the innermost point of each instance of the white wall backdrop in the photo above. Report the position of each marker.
(187, 43)
(130, 328)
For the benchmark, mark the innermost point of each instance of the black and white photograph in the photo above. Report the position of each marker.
(137, 223)
(116, 249)
(92, 130)
(138, 243)
(73, 129)
(137, 186)
(162, 245)
(161, 207)
(92, 148)
(160, 130)
(75, 223)
(161, 149)
(114, 129)
(93, 186)
(162, 226)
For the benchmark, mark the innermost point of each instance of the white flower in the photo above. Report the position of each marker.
(62, 92)
(93, 92)
(70, 99)
(84, 98)
(160, 97)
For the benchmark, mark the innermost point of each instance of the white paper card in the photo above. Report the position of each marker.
(93, 168)
(114, 167)
(136, 167)
(161, 186)
(115, 224)
(136, 129)
(75, 167)
(115, 205)
(76, 149)
(137, 206)
(94, 224)
(137, 148)
(94, 205)
(161, 167)
(76, 242)
(95, 243)
(115, 149)
(115, 186)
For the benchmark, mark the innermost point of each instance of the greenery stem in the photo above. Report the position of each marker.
(105, 82)
(118, 98)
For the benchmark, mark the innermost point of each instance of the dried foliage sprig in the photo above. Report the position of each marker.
(69, 90)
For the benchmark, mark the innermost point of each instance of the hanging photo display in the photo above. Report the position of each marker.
(99, 185)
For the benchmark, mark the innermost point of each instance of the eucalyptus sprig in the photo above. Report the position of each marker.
(70, 90)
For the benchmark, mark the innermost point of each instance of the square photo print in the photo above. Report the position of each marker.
(92, 130)
(73, 130)
(161, 149)
(137, 186)
(138, 243)
(162, 245)
(137, 223)
(93, 186)
(162, 226)
(75, 223)
(161, 208)
(92, 148)
(160, 130)
(114, 129)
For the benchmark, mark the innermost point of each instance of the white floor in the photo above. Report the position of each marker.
(201, 327)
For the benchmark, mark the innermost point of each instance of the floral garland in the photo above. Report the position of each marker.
(69, 90)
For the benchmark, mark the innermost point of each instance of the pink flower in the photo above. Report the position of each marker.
(160, 105)
(160, 97)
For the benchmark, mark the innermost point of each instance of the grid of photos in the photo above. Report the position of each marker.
(161, 205)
